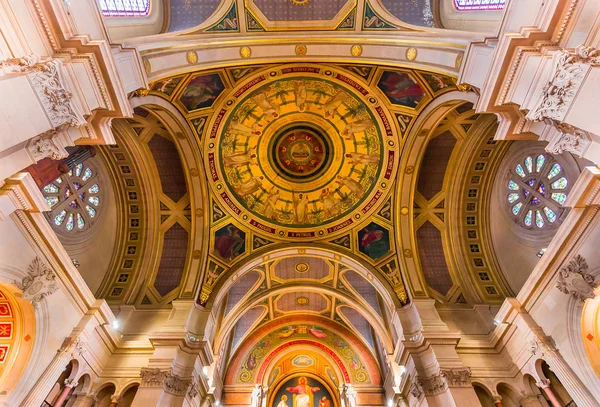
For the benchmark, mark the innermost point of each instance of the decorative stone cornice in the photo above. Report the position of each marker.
(39, 283)
(153, 377)
(176, 385)
(576, 280)
(569, 139)
(434, 384)
(569, 72)
(44, 146)
(460, 377)
(56, 100)
(25, 64)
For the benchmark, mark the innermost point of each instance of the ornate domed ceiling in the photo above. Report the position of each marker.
(301, 153)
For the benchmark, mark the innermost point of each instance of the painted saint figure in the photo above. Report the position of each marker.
(283, 402)
(249, 187)
(300, 93)
(229, 244)
(330, 204)
(304, 393)
(356, 127)
(401, 89)
(300, 204)
(353, 186)
(271, 201)
(240, 158)
(360, 158)
(373, 241)
(270, 109)
(330, 107)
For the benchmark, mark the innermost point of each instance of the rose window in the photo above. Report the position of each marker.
(73, 198)
(536, 191)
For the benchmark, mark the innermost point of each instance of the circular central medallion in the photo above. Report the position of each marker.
(300, 153)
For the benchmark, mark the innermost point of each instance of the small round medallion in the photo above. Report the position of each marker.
(301, 49)
(302, 301)
(356, 50)
(301, 267)
(245, 52)
(411, 54)
(192, 57)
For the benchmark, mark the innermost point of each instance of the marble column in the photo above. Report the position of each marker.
(66, 391)
(544, 385)
(70, 350)
(544, 347)
(114, 401)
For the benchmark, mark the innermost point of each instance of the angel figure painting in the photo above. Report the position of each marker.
(302, 392)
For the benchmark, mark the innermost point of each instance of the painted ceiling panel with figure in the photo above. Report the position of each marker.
(302, 152)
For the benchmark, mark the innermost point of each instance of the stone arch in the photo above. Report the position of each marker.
(510, 395)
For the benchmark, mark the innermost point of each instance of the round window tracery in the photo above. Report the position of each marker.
(536, 191)
(74, 199)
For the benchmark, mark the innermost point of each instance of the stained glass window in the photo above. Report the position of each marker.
(125, 8)
(74, 198)
(470, 5)
(535, 193)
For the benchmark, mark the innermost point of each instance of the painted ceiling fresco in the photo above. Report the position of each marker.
(302, 152)
(285, 15)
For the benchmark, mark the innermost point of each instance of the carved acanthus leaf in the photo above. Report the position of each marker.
(569, 72)
(457, 377)
(153, 377)
(434, 384)
(39, 283)
(44, 146)
(575, 279)
(542, 347)
(176, 385)
(569, 139)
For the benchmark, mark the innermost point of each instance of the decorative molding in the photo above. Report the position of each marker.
(39, 283)
(44, 146)
(569, 139)
(153, 377)
(460, 377)
(576, 280)
(193, 390)
(415, 389)
(175, 385)
(569, 72)
(542, 347)
(55, 99)
(26, 64)
(434, 384)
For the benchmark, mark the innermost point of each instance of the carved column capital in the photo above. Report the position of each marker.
(542, 347)
(45, 146)
(460, 377)
(497, 399)
(575, 279)
(153, 377)
(569, 139)
(71, 383)
(543, 383)
(115, 399)
(434, 384)
(39, 283)
(175, 385)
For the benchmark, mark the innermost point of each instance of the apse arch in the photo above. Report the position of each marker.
(333, 393)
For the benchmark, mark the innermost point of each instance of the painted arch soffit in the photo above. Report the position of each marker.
(257, 357)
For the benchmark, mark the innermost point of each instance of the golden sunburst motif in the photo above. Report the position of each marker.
(192, 57)
(411, 54)
(245, 52)
(301, 49)
(299, 2)
(356, 50)
(302, 301)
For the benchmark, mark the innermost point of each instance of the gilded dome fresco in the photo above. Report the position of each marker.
(301, 151)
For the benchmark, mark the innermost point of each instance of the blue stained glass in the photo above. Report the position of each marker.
(517, 208)
(78, 169)
(542, 189)
(539, 162)
(94, 200)
(519, 170)
(513, 197)
(535, 201)
(529, 164)
(67, 192)
(539, 221)
(560, 183)
(91, 211)
(69, 225)
(550, 214)
(528, 218)
(87, 174)
(77, 185)
(80, 221)
(512, 185)
(559, 197)
(52, 200)
(51, 189)
(60, 218)
(94, 189)
(554, 171)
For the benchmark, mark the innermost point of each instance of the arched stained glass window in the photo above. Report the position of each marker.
(536, 191)
(125, 8)
(74, 198)
(468, 5)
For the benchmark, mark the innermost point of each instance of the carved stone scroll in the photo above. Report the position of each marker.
(576, 280)
(39, 283)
